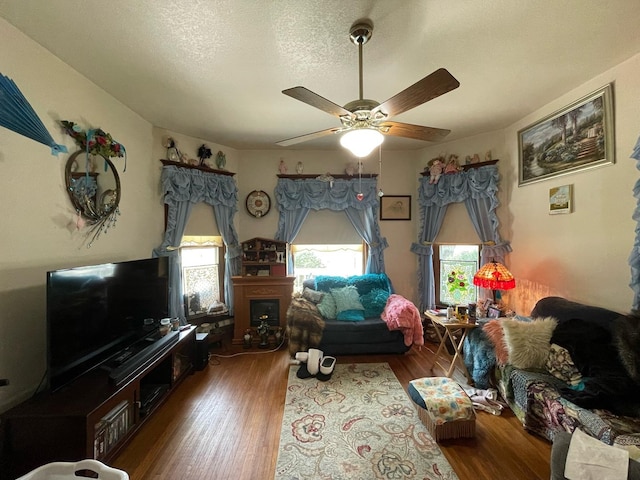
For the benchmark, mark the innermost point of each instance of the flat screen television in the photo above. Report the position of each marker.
(96, 311)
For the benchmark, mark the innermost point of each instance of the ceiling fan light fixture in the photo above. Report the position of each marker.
(361, 141)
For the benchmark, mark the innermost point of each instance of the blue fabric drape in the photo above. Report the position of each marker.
(233, 260)
(634, 258)
(477, 188)
(182, 189)
(432, 217)
(295, 198)
(366, 224)
(289, 225)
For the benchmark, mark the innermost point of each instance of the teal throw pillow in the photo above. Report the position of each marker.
(325, 283)
(327, 307)
(348, 303)
(367, 282)
(374, 302)
(351, 315)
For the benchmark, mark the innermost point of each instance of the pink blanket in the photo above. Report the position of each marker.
(400, 314)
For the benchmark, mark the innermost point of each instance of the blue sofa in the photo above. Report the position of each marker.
(344, 337)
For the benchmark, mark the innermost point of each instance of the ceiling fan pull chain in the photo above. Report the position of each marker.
(360, 43)
(380, 191)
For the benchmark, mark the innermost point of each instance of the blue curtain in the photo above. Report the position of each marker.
(295, 198)
(477, 188)
(634, 258)
(182, 189)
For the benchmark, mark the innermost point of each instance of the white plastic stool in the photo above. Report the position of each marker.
(67, 471)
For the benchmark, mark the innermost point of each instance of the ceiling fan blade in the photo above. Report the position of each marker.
(309, 136)
(430, 87)
(307, 96)
(417, 132)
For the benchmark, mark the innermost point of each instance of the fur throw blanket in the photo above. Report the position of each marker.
(401, 314)
(304, 324)
(608, 360)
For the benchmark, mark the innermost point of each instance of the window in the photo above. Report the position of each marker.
(454, 267)
(340, 260)
(202, 275)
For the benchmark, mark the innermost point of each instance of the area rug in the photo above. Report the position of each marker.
(360, 424)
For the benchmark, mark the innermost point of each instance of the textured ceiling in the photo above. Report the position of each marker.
(215, 69)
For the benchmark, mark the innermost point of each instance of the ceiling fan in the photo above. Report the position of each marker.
(365, 121)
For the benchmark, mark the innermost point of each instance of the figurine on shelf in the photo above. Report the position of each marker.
(487, 156)
(263, 331)
(452, 165)
(350, 170)
(299, 168)
(204, 153)
(246, 339)
(221, 160)
(282, 167)
(435, 170)
(172, 150)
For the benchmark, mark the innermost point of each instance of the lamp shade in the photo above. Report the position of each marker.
(361, 141)
(495, 276)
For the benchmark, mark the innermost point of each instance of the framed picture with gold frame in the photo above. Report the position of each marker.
(560, 199)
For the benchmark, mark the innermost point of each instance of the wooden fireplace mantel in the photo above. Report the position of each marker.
(247, 288)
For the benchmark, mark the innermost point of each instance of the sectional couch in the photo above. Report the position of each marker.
(583, 370)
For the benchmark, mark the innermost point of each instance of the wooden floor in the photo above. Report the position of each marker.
(224, 423)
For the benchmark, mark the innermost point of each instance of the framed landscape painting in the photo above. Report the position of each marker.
(578, 137)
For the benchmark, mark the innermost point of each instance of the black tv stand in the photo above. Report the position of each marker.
(97, 415)
(132, 359)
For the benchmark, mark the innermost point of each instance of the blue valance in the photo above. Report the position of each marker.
(336, 195)
(473, 183)
(195, 186)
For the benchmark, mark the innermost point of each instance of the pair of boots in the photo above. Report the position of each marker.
(314, 364)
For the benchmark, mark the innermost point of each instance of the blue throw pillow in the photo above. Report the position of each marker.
(327, 307)
(325, 283)
(367, 282)
(351, 315)
(348, 303)
(374, 302)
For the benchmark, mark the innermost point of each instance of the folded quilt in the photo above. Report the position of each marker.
(401, 314)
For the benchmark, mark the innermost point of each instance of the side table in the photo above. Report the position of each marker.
(450, 327)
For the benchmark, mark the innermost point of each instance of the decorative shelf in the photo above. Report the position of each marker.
(342, 176)
(466, 167)
(202, 168)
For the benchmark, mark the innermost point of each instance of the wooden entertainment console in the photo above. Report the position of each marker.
(92, 417)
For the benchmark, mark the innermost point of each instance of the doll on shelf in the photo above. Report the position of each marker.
(452, 165)
(435, 170)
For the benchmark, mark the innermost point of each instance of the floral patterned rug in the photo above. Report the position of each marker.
(360, 424)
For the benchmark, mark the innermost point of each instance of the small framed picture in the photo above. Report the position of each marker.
(560, 199)
(486, 303)
(493, 312)
(395, 207)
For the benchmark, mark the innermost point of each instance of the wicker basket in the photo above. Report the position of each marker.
(444, 431)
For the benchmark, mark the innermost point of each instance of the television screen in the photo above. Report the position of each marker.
(95, 311)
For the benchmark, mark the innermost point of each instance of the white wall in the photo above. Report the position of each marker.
(37, 216)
